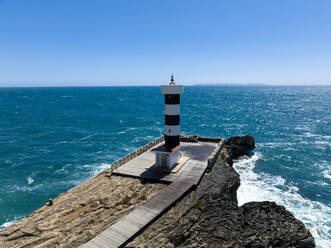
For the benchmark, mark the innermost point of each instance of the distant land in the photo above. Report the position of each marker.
(231, 84)
(257, 84)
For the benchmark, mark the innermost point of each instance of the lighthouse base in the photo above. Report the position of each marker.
(166, 159)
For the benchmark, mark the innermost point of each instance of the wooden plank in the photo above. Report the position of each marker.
(192, 171)
(130, 225)
(148, 174)
(169, 195)
(136, 162)
(148, 156)
(183, 180)
(198, 153)
(117, 234)
(179, 165)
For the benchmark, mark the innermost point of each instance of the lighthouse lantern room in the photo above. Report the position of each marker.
(167, 154)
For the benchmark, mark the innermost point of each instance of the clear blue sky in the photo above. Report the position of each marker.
(85, 42)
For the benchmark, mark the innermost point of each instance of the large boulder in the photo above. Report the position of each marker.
(267, 224)
(240, 145)
(214, 219)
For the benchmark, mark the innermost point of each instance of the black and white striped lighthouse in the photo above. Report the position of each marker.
(172, 113)
(167, 154)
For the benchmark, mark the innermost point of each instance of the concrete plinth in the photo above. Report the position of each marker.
(166, 159)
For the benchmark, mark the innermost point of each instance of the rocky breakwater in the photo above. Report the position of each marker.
(210, 215)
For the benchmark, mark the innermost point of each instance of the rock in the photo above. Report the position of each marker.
(225, 155)
(210, 216)
(217, 221)
(267, 224)
(240, 145)
(185, 138)
(213, 216)
(197, 138)
(50, 202)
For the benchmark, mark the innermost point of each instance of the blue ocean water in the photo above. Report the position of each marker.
(51, 139)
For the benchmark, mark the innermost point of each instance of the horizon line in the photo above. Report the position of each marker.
(154, 85)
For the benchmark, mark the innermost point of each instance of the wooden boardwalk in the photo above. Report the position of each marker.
(188, 176)
(191, 171)
(132, 224)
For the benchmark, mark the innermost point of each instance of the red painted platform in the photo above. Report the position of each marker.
(163, 148)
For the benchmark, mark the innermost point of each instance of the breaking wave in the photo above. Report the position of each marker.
(265, 187)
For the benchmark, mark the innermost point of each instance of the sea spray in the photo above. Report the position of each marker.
(265, 187)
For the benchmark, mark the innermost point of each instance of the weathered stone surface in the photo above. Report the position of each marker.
(77, 216)
(208, 218)
(211, 217)
(197, 138)
(268, 225)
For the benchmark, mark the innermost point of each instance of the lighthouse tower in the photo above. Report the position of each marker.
(167, 154)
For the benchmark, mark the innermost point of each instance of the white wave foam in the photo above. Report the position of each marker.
(127, 130)
(76, 140)
(265, 187)
(327, 174)
(323, 143)
(94, 169)
(302, 127)
(7, 224)
(30, 180)
(25, 188)
(128, 149)
(87, 137)
(284, 145)
(309, 134)
(101, 167)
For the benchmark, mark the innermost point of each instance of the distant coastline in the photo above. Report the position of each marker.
(231, 84)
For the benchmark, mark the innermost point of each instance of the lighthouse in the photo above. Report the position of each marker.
(167, 154)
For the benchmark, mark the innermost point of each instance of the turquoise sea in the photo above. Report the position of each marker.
(52, 139)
